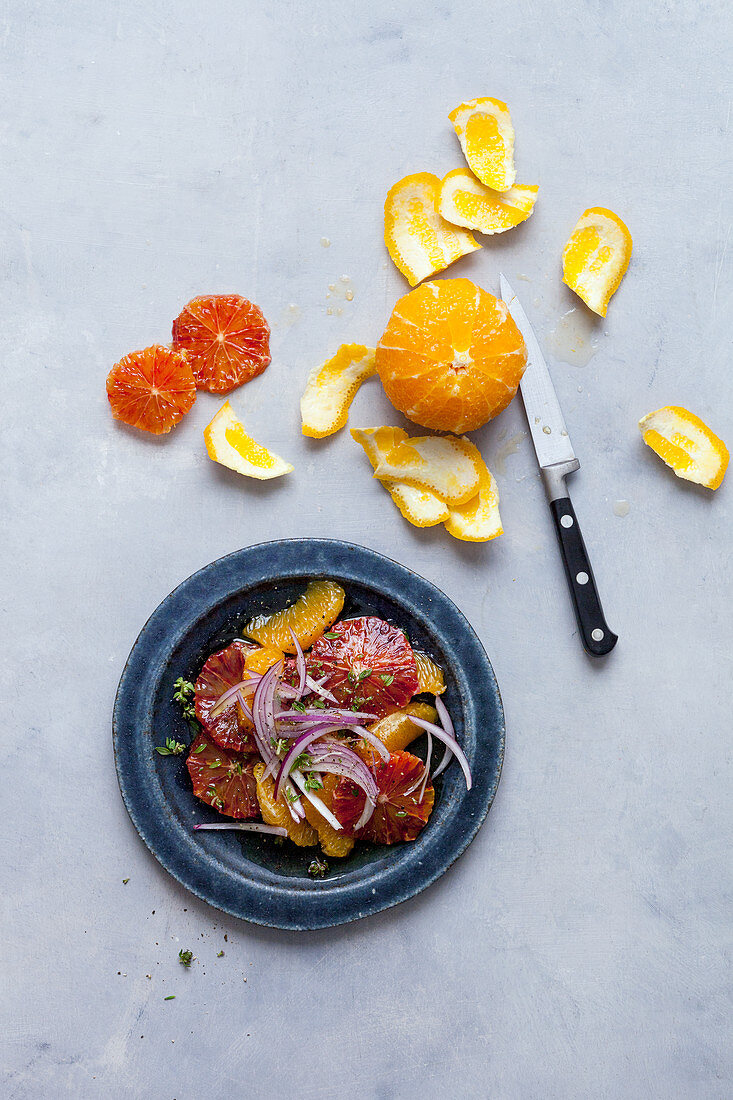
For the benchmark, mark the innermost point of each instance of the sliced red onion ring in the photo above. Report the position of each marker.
(451, 742)
(263, 714)
(246, 827)
(373, 740)
(351, 717)
(317, 688)
(299, 663)
(228, 695)
(298, 777)
(299, 746)
(423, 780)
(447, 724)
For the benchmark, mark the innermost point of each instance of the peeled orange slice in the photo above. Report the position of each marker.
(418, 506)
(262, 658)
(333, 843)
(596, 256)
(396, 731)
(444, 466)
(228, 443)
(275, 811)
(686, 444)
(485, 131)
(309, 617)
(467, 202)
(226, 340)
(418, 239)
(429, 675)
(324, 407)
(479, 519)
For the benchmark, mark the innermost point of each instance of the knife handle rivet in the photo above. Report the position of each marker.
(597, 635)
(582, 578)
(566, 521)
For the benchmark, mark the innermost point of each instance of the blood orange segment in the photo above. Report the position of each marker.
(228, 726)
(275, 811)
(151, 389)
(368, 665)
(226, 339)
(223, 779)
(312, 613)
(400, 813)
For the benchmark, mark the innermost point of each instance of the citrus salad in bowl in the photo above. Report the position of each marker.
(302, 727)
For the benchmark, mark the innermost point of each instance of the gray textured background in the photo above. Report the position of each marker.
(154, 150)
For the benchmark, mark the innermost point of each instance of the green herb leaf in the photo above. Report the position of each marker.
(172, 748)
(201, 748)
(332, 634)
(386, 678)
(171, 998)
(364, 674)
(318, 868)
(185, 957)
(302, 761)
(313, 783)
(125, 881)
(220, 954)
(299, 706)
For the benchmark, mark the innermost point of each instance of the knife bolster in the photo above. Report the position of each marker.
(554, 476)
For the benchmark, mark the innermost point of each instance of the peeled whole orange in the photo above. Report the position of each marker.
(451, 357)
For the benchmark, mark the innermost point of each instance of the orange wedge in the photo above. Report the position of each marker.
(419, 241)
(686, 444)
(330, 389)
(485, 131)
(228, 444)
(418, 506)
(445, 466)
(429, 675)
(467, 202)
(396, 731)
(309, 617)
(333, 843)
(259, 660)
(479, 519)
(596, 256)
(275, 811)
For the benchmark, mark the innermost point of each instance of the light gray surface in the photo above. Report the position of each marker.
(152, 151)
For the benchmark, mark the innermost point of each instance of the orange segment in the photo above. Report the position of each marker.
(596, 256)
(396, 731)
(324, 407)
(259, 660)
(309, 617)
(484, 129)
(444, 466)
(451, 356)
(334, 843)
(419, 241)
(429, 675)
(228, 443)
(479, 519)
(686, 444)
(465, 201)
(151, 389)
(418, 506)
(275, 811)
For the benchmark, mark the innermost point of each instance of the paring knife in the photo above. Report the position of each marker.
(557, 459)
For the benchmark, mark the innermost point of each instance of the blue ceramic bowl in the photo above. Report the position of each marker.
(249, 875)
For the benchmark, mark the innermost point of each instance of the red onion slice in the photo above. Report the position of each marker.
(349, 716)
(228, 695)
(299, 663)
(292, 755)
(452, 744)
(447, 724)
(317, 688)
(314, 800)
(373, 740)
(246, 827)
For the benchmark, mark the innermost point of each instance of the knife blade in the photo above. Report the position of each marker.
(557, 459)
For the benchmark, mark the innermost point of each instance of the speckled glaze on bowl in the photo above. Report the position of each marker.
(251, 876)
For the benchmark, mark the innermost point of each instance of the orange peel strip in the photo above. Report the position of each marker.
(479, 519)
(228, 444)
(419, 507)
(418, 239)
(596, 256)
(686, 444)
(466, 201)
(444, 465)
(331, 387)
(484, 129)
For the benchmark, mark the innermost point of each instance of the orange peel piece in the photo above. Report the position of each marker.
(418, 239)
(596, 256)
(686, 444)
(444, 465)
(466, 201)
(312, 614)
(479, 519)
(228, 444)
(331, 387)
(484, 129)
(419, 507)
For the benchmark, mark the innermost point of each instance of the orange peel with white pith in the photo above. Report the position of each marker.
(686, 444)
(478, 520)
(596, 256)
(484, 129)
(419, 507)
(228, 444)
(331, 387)
(466, 201)
(444, 465)
(418, 239)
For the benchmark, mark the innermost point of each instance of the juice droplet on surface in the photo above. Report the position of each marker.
(621, 507)
(573, 340)
(325, 243)
(509, 448)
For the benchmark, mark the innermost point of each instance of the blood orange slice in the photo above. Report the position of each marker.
(226, 339)
(228, 726)
(151, 389)
(223, 779)
(368, 665)
(400, 813)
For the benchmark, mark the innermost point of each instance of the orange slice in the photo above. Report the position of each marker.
(228, 444)
(334, 843)
(151, 389)
(467, 202)
(309, 617)
(596, 256)
(429, 675)
(445, 466)
(259, 660)
(418, 506)
(275, 811)
(485, 131)
(686, 444)
(419, 241)
(479, 519)
(225, 338)
(396, 731)
(451, 356)
(330, 389)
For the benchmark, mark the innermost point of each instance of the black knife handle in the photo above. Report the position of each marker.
(598, 638)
